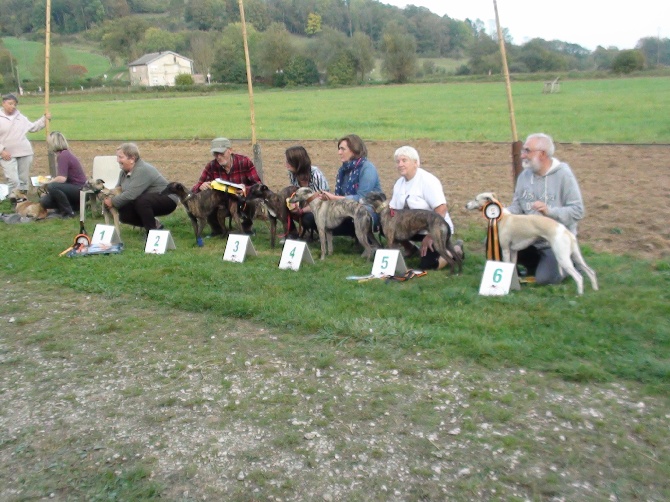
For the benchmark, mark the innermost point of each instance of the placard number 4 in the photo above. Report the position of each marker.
(292, 253)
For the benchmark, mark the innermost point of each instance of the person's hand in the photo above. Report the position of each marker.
(326, 196)
(205, 186)
(6, 155)
(540, 207)
(47, 115)
(426, 245)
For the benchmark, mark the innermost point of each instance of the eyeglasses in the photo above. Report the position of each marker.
(528, 150)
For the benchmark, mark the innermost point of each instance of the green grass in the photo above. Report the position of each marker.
(610, 111)
(25, 52)
(604, 335)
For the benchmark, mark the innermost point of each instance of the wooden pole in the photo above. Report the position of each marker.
(258, 159)
(516, 145)
(47, 57)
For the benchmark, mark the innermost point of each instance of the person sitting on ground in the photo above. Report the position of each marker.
(63, 190)
(356, 178)
(141, 198)
(301, 173)
(16, 152)
(546, 186)
(418, 189)
(231, 167)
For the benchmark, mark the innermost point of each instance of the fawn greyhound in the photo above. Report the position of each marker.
(518, 231)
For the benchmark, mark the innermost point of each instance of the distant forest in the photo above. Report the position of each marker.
(300, 42)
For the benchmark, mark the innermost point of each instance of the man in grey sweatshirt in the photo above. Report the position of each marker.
(546, 186)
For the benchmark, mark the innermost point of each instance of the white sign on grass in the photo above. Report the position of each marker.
(105, 234)
(238, 247)
(158, 241)
(293, 254)
(388, 262)
(499, 277)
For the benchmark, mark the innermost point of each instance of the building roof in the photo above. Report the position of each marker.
(152, 56)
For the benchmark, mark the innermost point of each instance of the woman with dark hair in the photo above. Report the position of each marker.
(301, 173)
(141, 198)
(356, 178)
(63, 190)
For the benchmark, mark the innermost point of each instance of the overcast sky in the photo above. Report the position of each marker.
(588, 23)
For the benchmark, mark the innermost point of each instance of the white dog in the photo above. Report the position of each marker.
(518, 231)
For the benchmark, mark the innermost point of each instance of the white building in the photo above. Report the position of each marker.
(159, 68)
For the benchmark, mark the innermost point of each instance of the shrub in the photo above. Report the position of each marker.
(628, 61)
(183, 79)
(301, 71)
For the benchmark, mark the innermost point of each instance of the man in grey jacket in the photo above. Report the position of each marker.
(546, 186)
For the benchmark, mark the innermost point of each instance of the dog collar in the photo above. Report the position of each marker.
(312, 197)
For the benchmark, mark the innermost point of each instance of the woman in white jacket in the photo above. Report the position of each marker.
(16, 152)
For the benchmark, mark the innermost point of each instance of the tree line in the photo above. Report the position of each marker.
(299, 42)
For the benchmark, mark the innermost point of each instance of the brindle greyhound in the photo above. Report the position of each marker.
(199, 206)
(329, 214)
(403, 224)
(276, 205)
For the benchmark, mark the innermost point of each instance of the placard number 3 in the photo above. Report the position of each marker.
(237, 247)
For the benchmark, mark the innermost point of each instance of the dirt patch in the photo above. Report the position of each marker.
(625, 187)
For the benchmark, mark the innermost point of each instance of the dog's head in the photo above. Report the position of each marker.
(481, 200)
(177, 189)
(94, 185)
(301, 195)
(375, 199)
(258, 191)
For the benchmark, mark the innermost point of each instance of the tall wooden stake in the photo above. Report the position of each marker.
(516, 145)
(258, 159)
(47, 57)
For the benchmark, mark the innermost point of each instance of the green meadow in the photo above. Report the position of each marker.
(183, 377)
(626, 110)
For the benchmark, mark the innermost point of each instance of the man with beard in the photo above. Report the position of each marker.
(546, 186)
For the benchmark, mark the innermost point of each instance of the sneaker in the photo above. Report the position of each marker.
(66, 215)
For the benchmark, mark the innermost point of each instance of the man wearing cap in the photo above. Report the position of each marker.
(231, 167)
(16, 152)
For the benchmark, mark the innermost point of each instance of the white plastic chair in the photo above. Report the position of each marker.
(105, 167)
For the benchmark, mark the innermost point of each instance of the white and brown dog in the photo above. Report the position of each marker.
(518, 231)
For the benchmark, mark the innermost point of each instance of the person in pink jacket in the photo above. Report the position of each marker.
(16, 152)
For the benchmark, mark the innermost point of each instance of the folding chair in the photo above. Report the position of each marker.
(105, 167)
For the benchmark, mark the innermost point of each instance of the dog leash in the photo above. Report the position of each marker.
(493, 213)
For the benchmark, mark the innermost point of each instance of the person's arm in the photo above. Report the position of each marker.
(319, 180)
(40, 123)
(205, 177)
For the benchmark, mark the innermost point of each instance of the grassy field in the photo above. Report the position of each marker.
(25, 51)
(610, 111)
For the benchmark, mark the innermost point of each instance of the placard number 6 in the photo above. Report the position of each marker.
(497, 275)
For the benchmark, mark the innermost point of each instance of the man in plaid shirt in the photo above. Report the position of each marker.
(231, 167)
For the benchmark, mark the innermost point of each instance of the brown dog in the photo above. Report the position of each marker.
(31, 210)
(200, 206)
(403, 224)
(275, 204)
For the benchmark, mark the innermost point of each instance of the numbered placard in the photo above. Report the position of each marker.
(293, 254)
(105, 234)
(388, 262)
(238, 247)
(499, 277)
(158, 241)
